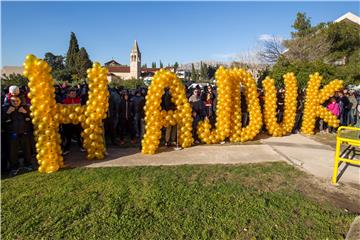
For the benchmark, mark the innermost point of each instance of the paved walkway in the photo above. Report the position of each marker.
(202, 154)
(313, 157)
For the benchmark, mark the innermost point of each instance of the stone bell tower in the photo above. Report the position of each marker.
(135, 61)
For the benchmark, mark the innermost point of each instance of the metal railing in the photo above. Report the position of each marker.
(350, 138)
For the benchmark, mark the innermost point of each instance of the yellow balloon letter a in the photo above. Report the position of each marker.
(155, 118)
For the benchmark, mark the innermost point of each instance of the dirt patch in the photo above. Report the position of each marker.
(345, 196)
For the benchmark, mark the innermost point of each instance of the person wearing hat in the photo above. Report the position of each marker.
(17, 126)
(14, 91)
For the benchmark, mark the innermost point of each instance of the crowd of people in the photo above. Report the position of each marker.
(124, 124)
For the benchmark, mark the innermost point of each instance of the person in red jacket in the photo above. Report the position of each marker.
(72, 97)
(70, 130)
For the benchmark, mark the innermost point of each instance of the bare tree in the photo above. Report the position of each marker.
(311, 47)
(271, 49)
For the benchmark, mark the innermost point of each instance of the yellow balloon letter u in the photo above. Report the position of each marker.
(270, 105)
(228, 109)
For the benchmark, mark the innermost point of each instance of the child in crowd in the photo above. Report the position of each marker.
(333, 107)
(14, 91)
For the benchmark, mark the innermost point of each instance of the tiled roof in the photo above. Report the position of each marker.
(126, 69)
(119, 69)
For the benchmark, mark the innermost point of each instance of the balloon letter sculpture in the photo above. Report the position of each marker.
(47, 115)
(155, 118)
(228, 109)
(314, 99)
(274, 128)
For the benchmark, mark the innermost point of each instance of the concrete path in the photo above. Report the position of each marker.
(309, 155)
(312, 156)
(203, 154)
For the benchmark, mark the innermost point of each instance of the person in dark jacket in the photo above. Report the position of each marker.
(244, 108)
(209, 102)
(280, 105)
(112, 117)
(167, 105)
(84, 93)
(126, 118)
(198, 112)
(138, 103)
(345, 107)
(299, 111)
(17, 125)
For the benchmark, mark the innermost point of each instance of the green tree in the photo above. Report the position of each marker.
(203, 71)
(344, 38)
(56, 62)
(59, 72)
(72, 53)
(302, 25)
(144, 65)
(13, 79)
(318, 50)
(176, 66)
(62, 75)
(262, 75)
(127, 84)
(350, 72)
(194, 76)
(83, 63)
(161, 64)
(211, 71)
(302, 70)
(153, 64)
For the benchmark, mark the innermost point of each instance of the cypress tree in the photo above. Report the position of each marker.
(72, 53)
(176, 65)
(203, 71)
(82, 63)
(193, 73)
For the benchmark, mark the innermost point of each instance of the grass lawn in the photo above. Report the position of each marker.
(254, 201)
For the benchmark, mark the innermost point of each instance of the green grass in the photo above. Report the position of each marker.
(255, 201)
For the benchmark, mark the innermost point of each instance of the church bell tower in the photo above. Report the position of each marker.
(135, 61)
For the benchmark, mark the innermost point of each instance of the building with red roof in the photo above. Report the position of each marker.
(126, 72)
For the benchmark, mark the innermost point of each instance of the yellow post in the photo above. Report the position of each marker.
(336, 160)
